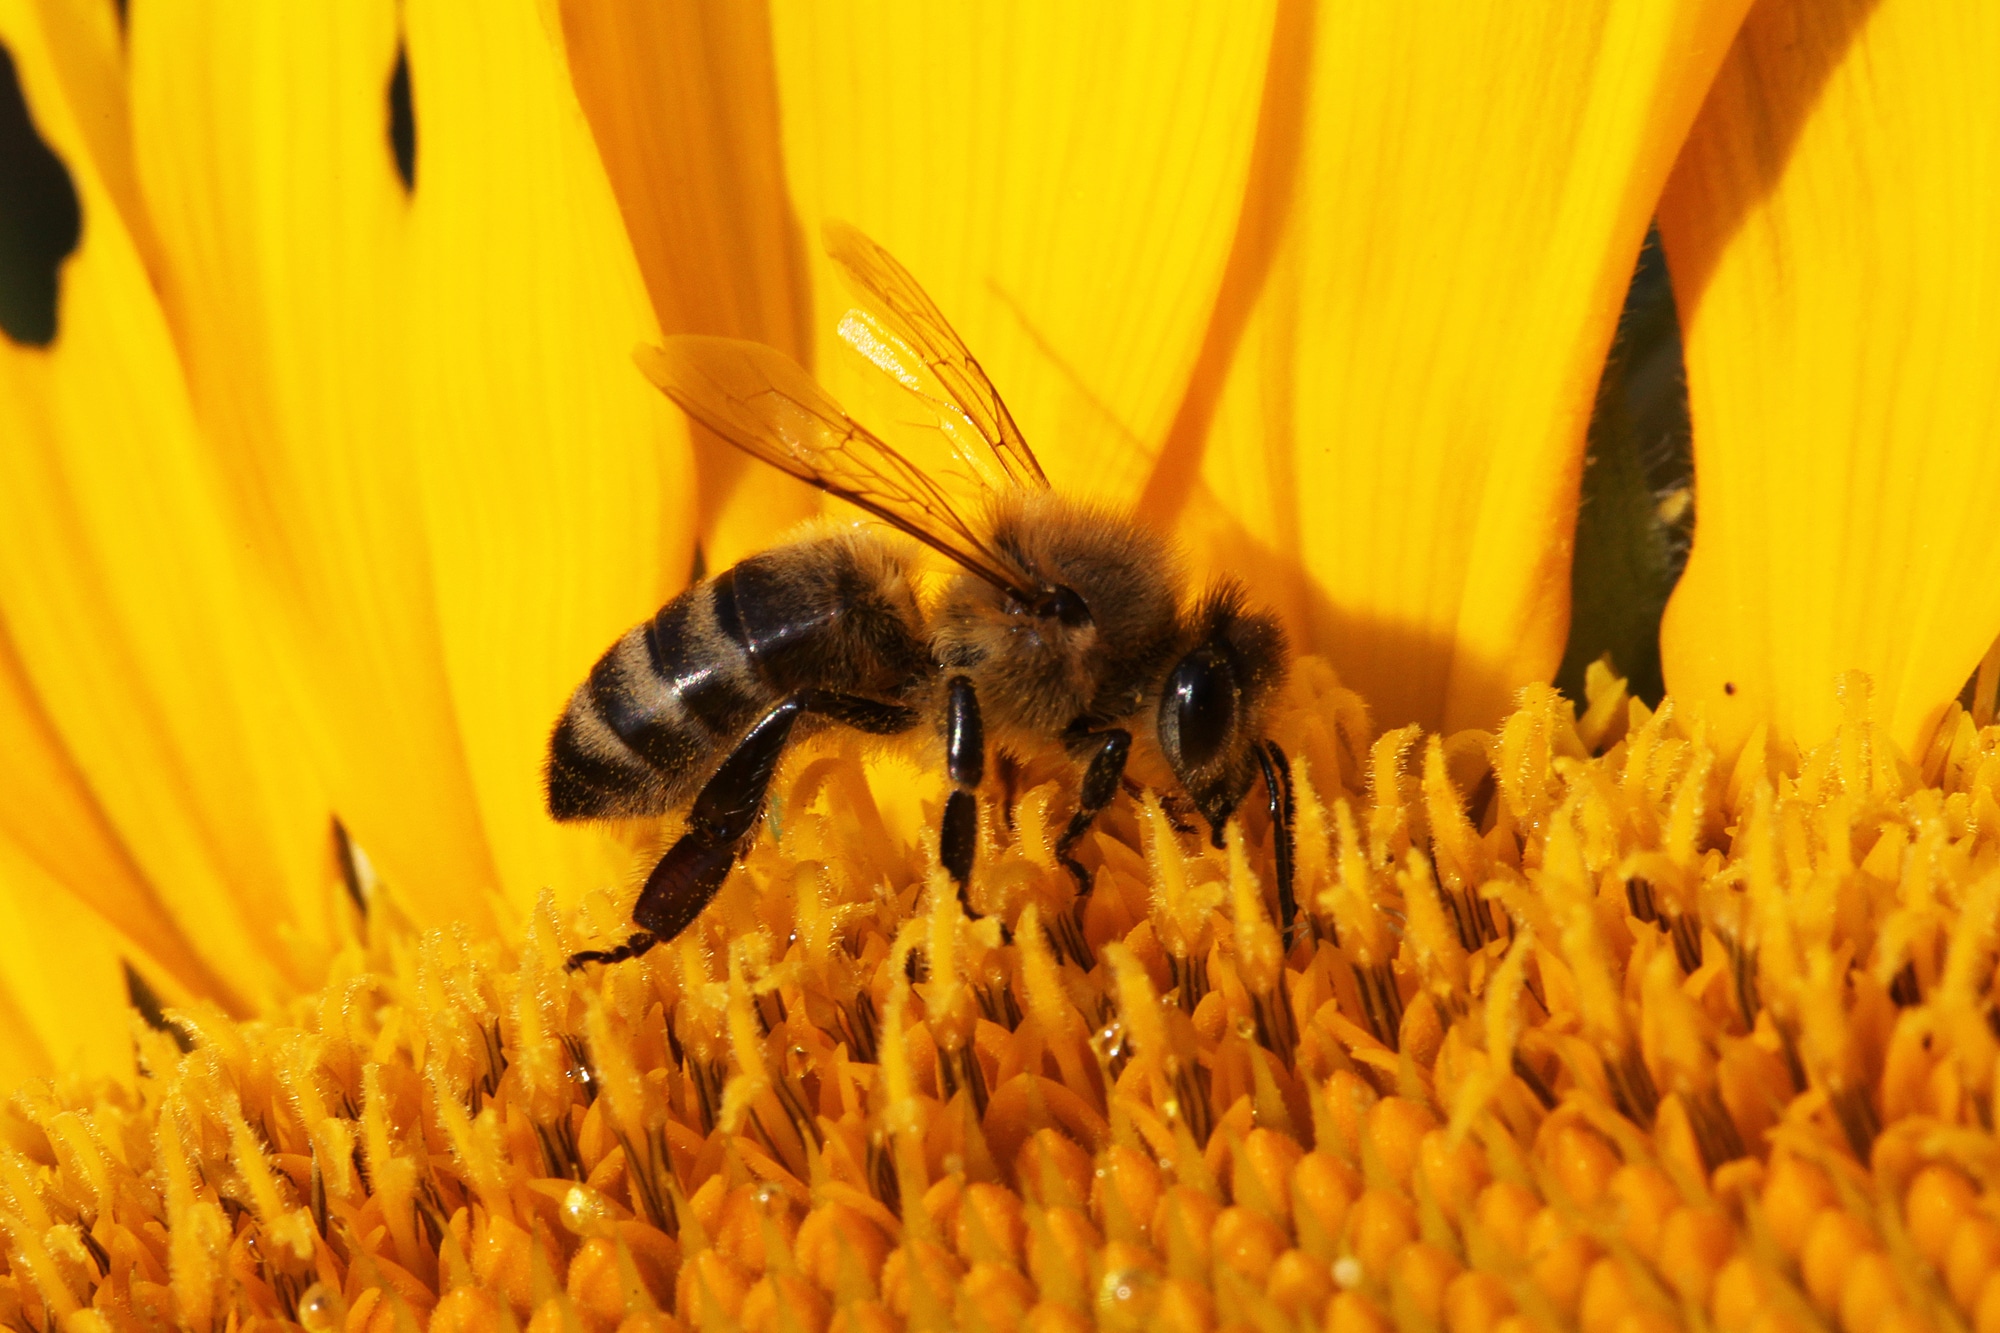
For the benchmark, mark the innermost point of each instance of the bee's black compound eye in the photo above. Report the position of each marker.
(1201, 694)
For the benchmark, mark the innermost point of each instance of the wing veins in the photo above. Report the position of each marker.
(910, 313)
(765, 404)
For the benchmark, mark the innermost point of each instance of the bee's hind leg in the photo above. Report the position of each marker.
(638, 943)
(725, 815)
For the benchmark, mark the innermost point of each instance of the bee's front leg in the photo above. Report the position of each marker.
(1278, 787)
(1107, 752)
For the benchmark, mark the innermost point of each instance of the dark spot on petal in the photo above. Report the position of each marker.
(403, 120)
(348, 857)
(146, 1000)
(1729, 687)
(40, 220)
(1635, 515)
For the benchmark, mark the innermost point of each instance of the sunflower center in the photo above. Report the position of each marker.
(1575, 1022)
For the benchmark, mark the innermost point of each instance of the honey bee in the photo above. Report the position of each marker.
(1063, 624)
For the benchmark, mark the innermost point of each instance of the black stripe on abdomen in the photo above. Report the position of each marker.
(702, 667)
(658, 707)
(591, 776)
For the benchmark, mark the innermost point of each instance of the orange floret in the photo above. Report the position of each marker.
(1603, 1040)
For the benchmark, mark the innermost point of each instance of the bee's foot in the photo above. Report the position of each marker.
(631, 948)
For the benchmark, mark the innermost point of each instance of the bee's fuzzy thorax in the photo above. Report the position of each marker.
(1036, 675)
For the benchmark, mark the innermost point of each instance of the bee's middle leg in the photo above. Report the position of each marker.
(965, 761)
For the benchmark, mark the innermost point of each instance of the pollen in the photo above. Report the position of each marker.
(1577, 1026)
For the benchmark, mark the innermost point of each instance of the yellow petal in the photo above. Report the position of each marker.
(683, 103)
(1829, 230)
(264, 160)
(555, 480)
(52, 820)
(127, 600)
(1467, 187)
(63, 1005)
(1063, 179)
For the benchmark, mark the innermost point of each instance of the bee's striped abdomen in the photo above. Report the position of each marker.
(676, 693)
(639, 733)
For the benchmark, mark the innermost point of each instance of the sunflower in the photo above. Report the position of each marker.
(325, 473)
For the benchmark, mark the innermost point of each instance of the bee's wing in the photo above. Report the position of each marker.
(764, 403)
(907, 312)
